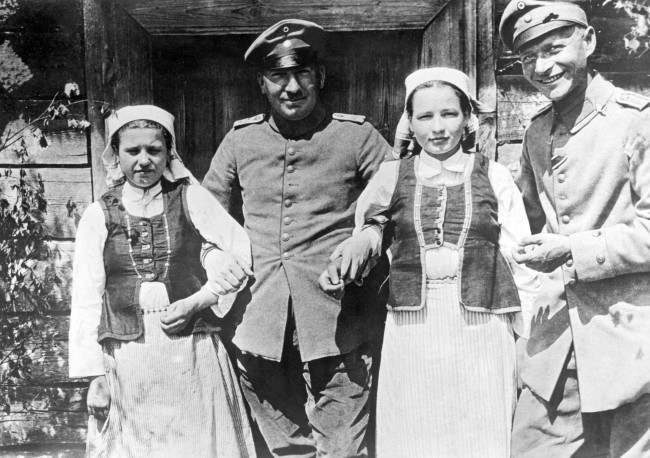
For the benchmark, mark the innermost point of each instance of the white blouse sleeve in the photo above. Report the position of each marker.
(88, 282)
(217, 227)
(374, 201)
(514, 226)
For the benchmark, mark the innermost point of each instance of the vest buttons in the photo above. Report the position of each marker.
(596, 234)
(285, 237)
(146, 247)
(144, 234)
(286, 255)
(600, 259)
(569, 263)
(291, 169)
(287, 203)
(149, 276)
(147, 261)
(566, 219)
(561, 178)
(286, 220)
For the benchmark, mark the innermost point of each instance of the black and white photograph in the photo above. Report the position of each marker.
(300, 228)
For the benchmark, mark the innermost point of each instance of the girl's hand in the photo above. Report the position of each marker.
(98, 399)
(177, 316)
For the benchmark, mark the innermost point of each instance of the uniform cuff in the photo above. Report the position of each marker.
(373, 234)
(590, 259)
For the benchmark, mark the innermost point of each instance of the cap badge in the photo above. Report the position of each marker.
(521, 5)
(551, 17)
(285, 29)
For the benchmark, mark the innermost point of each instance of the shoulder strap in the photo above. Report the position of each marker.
(359, 119)
(248, 121)
(633, 100)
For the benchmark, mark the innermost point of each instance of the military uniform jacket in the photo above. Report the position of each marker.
(587, 176)
(299, 194)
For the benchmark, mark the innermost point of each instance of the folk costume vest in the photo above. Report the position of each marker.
(164, 248)
(464, 216)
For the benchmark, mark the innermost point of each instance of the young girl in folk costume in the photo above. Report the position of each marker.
(160, 375)
(447, 382)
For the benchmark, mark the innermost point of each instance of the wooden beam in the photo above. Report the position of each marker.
(118, 70)
(221, 17)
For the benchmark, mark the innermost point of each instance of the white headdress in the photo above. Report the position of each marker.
(175, 169)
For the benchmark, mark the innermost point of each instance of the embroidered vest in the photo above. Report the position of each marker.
(151, 238)
(463, 216)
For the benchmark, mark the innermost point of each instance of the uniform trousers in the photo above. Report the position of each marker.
(558, 428)
(313, 408)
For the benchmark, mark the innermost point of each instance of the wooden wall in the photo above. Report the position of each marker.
(517, 101)
(96, 44)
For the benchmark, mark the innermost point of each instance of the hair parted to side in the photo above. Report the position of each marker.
(141, 124)
(467, 107)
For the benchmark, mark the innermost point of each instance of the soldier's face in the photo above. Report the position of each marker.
(556, 63)
(143, 155)
(292, 92)
(437, 121)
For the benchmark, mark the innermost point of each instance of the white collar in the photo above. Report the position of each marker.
(139, 196)
(430, 166)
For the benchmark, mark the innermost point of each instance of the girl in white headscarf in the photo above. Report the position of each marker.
(447, 381)
(143, 315)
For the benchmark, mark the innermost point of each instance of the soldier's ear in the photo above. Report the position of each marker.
(321, 76)
(589, 38)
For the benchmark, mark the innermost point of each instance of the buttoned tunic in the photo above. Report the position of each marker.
(299, 193)
(586, 174)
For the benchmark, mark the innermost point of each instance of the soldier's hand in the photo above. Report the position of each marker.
(227, 273)
(352, 255)
(330, 280)
(543, 252)
(98, 399)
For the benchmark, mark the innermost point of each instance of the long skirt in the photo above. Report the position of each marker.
(447, 381)
(173, 396)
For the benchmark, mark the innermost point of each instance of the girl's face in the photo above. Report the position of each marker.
(143, 155)
(438, 121)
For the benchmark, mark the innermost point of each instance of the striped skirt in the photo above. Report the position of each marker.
(447, 381)
(172, 396)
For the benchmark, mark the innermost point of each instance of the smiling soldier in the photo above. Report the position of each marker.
(304, 361)
(586, 185)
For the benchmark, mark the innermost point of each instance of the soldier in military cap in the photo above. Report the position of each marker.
(586, 185)
(305, 362)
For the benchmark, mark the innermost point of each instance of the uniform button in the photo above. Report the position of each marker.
(291, 152)
(596, 234)
(286, 220)
(571, 282)
(286, 255)
(291, 169)
(562, 196)
(600, 259)
(561, 177)
(569, 263)
(287, 202)
(566, 219)
(285, 237)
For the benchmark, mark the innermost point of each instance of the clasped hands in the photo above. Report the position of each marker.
(346, 264)
(226, 274)
(543, 252)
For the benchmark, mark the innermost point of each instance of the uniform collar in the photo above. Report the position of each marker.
(583, 106)
(294, 129)
(431, 167)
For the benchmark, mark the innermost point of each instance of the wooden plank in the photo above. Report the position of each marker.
(65, 145)
(365, 75)
(47, 36)
(63, 188)
(223, 17)
(485, 78)
(450, 51)
(43, 428)
(118, 69)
